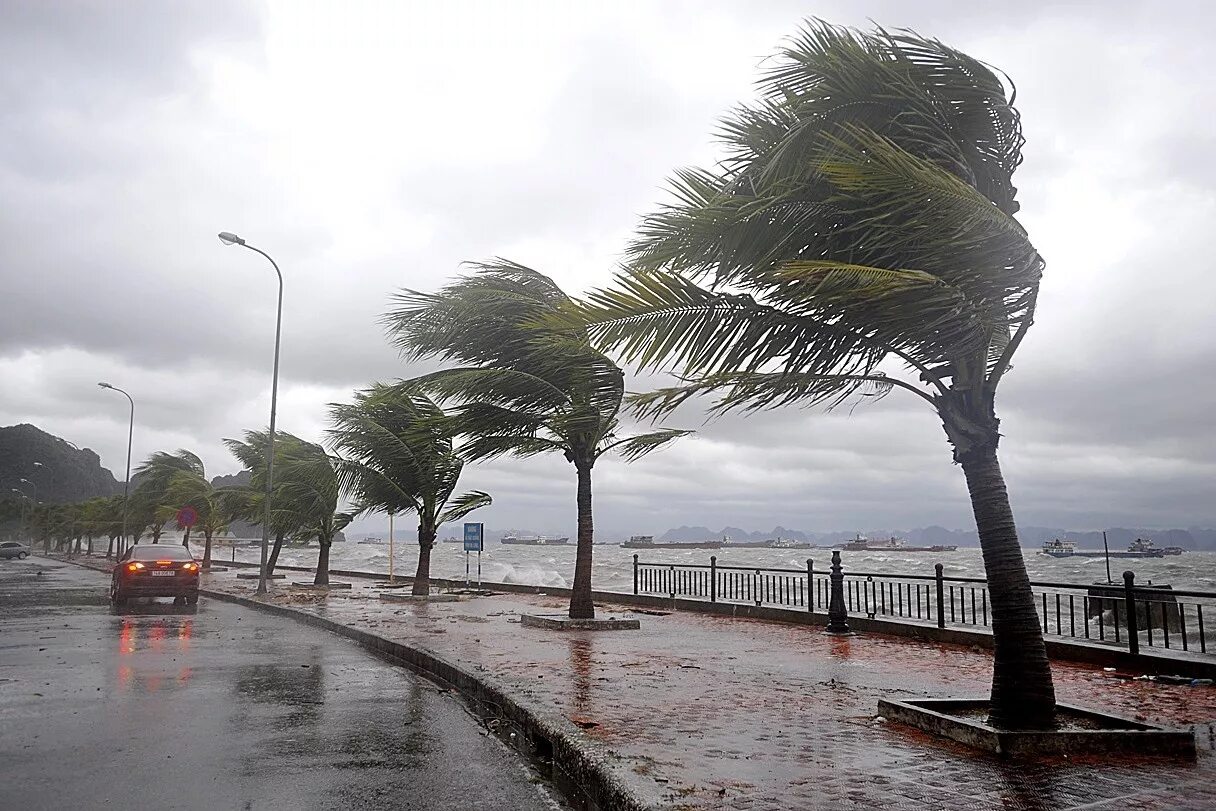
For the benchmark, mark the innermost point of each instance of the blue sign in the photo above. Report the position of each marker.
(473, 537)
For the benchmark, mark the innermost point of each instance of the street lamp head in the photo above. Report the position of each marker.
(229, 238)
(27, 481)
(37, 464)
(105, 385)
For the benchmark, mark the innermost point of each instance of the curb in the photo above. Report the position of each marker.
(583, 763)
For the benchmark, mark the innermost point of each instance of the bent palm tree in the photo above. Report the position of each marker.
(530, 385)
(862, 222)
(247, 502)
(397, 456)
(157, 474)
(306, 486)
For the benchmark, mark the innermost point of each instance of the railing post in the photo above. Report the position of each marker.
(635, 574)
(941, 597)
(1129, 594)
(810, 586)
(838, 617)
(713, 578)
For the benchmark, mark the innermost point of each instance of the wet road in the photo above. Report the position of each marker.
(221, 707)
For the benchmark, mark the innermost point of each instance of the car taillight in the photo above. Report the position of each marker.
(134, 567)
(190, 567)
(164, 563)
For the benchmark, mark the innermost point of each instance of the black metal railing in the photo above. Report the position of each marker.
(1160, 617)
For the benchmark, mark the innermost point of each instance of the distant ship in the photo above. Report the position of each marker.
(376, 541)
(863, 544)
(1172, 550)
(533, 540)
(1139, 548)
(771, 543)
(647, 542)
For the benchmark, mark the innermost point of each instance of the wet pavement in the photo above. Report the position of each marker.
(712, 712)
(221, 707)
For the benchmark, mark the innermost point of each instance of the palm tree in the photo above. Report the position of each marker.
(158, 472)
(861, 225)
(396, 456)
(247, 502)
(189, 488)
(528, 385)
(306, 486)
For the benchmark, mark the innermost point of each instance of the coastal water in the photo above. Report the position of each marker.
(554, 565)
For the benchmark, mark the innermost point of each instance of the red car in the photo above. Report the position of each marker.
(156, 570)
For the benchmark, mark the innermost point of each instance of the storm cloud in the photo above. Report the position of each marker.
(370, 147)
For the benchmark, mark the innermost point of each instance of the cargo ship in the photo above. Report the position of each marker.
(533, 540)
(647, 542)
(863, 544)
(1139, 548)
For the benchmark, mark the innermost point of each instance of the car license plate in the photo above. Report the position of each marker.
(164, 574)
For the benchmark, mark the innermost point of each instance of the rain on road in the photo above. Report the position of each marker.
(221, 707)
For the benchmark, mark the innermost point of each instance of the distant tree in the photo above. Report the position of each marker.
(396, 456)
(247, 503)
(157, 474)
(306, 485)
(526, 387)
(862, 222)
(188, 488)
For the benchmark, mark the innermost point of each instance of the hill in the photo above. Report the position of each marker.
(60, 471)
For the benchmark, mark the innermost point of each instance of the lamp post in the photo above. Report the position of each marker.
(232, 239)
(24, 498)
(126, 482)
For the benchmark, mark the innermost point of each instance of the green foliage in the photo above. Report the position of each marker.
(532, 383)
(396, 456)
(864, 215)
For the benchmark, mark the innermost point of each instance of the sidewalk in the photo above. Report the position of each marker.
(711, 712)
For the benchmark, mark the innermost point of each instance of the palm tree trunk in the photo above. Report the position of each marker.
(273, 560)
(110, 548)
(422, 575)
(581, 607)
(207, 549)
(322, 578)
(1023, 696)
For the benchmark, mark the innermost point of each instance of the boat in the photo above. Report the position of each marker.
(373, 541)
(533, 540)
(892, 544)
(1139, 548)
(647, 542)
(1172, 550)
(771, 543)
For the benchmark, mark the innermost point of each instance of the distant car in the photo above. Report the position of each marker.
(155, 570)
(12, 549)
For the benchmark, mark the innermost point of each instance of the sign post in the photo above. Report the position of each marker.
(391, 579)
(187, 517)
(474, 536)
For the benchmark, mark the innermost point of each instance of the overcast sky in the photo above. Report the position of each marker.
(372, 146)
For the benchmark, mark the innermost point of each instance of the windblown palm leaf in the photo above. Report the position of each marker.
(396, 456)
(530, 382)
(862, 222)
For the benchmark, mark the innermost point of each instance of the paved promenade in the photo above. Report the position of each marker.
(710, 712)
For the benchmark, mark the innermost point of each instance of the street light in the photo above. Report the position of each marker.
(31, 484)
(232, 239)
(126, 483)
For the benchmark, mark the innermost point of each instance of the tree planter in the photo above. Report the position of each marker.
(561, 622)
(1081, 732)
(304, 584)
(254, 576)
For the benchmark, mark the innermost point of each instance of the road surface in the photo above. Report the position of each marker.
(221, 707)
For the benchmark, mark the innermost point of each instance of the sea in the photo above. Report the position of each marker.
(613, 565)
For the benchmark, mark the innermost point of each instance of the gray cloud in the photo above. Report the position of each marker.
(373, 149)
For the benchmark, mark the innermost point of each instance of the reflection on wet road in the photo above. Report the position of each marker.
(220, 707)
